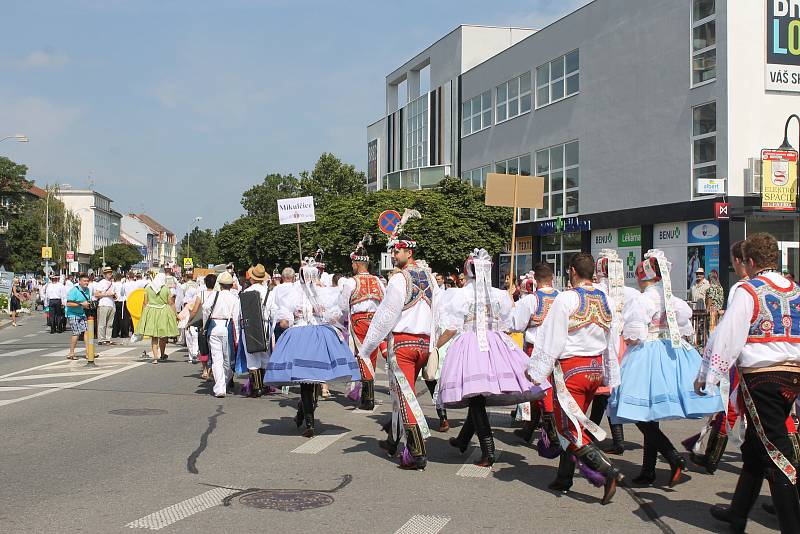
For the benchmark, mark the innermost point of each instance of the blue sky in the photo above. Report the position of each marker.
(176, 107)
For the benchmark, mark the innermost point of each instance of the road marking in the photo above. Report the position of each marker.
(423, 524)
(318, 443)
(30, 335)
(172, 514)
(115, 351)
(51, 364)
(10, 341)
(470, 470)
(82, 382)
(19, 352)
(33, 386)
(55, 375)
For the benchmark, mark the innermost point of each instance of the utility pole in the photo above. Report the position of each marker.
(47, 230)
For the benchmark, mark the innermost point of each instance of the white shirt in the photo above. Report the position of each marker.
(293, 305)
(390, 316)
(456, 312)
(369, 305)
(128, 287)
(728, 345)
(554, 341)
(227, 308)
(65, 287)
(103, 286)
(645, 312)
(54, 291)
(698, 291)
(523, 311)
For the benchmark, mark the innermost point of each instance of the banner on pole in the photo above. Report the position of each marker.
(778, 180)
(296, 210)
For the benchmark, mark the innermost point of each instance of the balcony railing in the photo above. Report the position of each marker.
(416, 179)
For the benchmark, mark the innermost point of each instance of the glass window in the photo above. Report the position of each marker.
(704, 143)
(572, 202)
(571, 152)
(572, 178)
(558, 204)
(525, 165)
(514, 97)
(500, 167)
(542, 162)
(476, 114)
(558, 79)
(704, 41)
(557, 180)
(559, 166)
(417, 133)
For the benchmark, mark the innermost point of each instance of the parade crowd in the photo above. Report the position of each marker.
(561, 360)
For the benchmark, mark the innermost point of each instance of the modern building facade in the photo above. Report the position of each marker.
(100, 224)
(640, 115)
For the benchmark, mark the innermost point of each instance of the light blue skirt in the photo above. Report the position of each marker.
(658, 384)
(311, 354)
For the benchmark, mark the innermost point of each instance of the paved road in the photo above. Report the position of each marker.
(140, 446)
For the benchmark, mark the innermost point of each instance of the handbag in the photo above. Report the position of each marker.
(202, 335)
(431, 366)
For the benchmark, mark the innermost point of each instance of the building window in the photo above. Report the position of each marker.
(476, 114)
(518, 165)
(559, 166)
(704, 143)
(558, 79)
(477, 177)
(704, 41)
(417, 133)
(513, 97)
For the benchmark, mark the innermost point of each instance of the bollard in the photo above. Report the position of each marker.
(88, 338)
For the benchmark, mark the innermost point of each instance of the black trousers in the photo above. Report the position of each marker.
(599, 404)
(773, 395)
(56, 315)
(122, 321)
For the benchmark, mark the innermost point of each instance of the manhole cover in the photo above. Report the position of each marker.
(138, 411)
(286, 500)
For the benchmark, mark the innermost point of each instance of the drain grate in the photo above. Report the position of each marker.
(286, 500)
(134, 412)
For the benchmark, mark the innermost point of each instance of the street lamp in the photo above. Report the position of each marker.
(786, 145)
(19, 137)
(189, 236)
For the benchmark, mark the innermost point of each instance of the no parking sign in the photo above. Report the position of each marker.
(388, 221)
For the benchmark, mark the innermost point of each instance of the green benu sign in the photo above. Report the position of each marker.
(629, 237)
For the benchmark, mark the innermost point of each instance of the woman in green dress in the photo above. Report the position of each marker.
(158, 321)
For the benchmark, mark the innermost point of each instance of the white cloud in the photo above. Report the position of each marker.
(36, 117)
(43, 59)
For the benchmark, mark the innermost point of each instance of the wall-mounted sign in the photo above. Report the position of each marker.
(630, 237)
(703, 232)
(722, 211)
(563, 225)
(707, 186)
(782, 72)
(779, 179)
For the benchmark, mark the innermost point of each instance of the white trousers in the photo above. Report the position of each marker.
(257, 360)
(191, 341)
(105, 320)
(220, 362)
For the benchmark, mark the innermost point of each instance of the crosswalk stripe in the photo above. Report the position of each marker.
(470, 470)
(54, 375)
(318, 443)
(172, 514)
(19, 352)
(423, 524)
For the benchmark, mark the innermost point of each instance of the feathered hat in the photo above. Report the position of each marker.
(318, 256)
(309, 270)
(397, 239)
(360, 254)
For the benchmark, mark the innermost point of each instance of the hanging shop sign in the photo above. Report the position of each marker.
(782, 72)
(778, 180)
(563, 225)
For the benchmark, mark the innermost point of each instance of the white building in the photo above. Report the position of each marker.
(641, 115)
(100, 225)
(136, 233)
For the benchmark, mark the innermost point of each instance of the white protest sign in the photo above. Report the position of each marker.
(296, 210)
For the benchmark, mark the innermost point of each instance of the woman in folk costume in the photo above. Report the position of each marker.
(158, 321)
(483, 366)
(610, 275)
(659, 367)
(311, 350)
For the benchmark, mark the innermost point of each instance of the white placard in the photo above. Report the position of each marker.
(708, 186)
(386, 262)
(296, 210)
(73, 267)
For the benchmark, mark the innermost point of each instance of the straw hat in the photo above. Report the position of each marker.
(225, 279)
(258, 273)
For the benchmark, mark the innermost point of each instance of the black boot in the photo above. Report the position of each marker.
(261, 373)
(415, 447)
(464, 435)
(255, 383)
(785, 500)
(391, 442)
(617, 445)
(444, 424)
(595, 459)
(367, 395)
(676, 463)
(566, 470)
(747, 490)
(714, 449)
(307, 400)
(549, 426)
(526, 432)
(649, 458)
(480, 419)
(298, 418)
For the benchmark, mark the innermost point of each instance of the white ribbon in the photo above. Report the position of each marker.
(407, 391)
(573, 411)
(666, 282)
(483, 272)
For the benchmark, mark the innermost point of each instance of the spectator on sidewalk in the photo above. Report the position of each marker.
(78, 301)
(104, 293)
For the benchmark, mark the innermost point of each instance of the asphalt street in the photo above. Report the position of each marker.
(130, 446)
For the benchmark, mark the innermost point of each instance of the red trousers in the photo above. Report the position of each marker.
(582, 375)
(360, 325)
(411, 352)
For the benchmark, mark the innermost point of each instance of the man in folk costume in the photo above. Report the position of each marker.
(257, 361)
(406, 315)
(529, 313)
(359, 300)
(610, 274)
(221, 315)
(760, 333)
(577, 345)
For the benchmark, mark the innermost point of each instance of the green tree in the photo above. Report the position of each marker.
(118, 255)
(331, 179)
(24, 238)
(13, 186)
(201, 247)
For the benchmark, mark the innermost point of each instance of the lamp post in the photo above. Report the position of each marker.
(189, 236)
(786, 145)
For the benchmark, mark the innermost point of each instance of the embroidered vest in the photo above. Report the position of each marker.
(593, 310)
(418, 287)
(367, 288)
(776, 313)
(544, 300)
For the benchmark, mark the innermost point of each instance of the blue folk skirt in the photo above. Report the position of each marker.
(308, 354)
(658, 384)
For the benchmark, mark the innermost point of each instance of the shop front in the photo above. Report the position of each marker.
(627, 242)
(558, 240)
